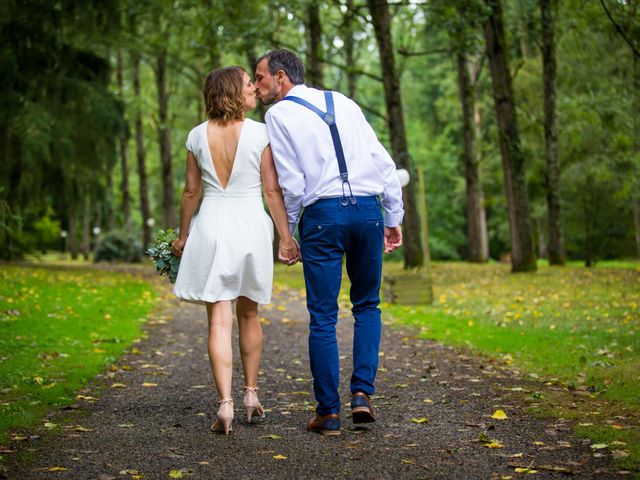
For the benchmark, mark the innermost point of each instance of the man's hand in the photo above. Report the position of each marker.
(289, 254)
(392, 238)
(178, 246)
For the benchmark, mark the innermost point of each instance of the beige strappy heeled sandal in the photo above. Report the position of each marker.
(251, 403)
(224, 417)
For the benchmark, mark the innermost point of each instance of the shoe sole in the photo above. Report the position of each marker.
(362, 415)
(328, 433)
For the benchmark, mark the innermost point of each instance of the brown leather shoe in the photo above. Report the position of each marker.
(325, 424)
(361, 409)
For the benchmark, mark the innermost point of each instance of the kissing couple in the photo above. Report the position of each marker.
(322, 171)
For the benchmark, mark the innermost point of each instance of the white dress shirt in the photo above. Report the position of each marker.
(306, 161)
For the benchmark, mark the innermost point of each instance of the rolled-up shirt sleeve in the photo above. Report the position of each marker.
(290, 174)
(392, 190)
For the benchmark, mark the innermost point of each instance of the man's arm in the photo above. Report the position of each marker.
(290, 175)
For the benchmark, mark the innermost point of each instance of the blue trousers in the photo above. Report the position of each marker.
(328, 232)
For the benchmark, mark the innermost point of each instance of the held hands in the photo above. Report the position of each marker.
(392, 238)
(289, 252)
(178, 246)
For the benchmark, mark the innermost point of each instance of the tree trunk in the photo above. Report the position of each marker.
(72, 234)
(477, 122)
(543, 248)
(111, 214)
(523, 256)
(168, 193)
(349, 48)
(413, 256)
(86, 219)
(124, 160)
(636, 221)
(635, 105)
(588, 224)
(140, 154)
(314, 45)
(477, 248)
(548, 10)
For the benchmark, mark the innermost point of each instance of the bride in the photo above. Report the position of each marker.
(227, 252)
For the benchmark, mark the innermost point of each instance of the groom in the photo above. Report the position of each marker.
(331, 164)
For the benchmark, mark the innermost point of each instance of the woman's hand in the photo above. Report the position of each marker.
(178, 246)
(289, 252)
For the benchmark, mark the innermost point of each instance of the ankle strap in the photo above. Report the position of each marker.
(225, 400)
(251, 389)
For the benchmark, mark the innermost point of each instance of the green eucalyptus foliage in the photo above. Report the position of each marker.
(163, 258)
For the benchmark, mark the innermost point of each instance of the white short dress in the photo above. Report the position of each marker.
(228, 253)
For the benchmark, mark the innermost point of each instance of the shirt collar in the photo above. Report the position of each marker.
(297, 90)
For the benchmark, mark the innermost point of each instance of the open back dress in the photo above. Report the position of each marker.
(228, 252)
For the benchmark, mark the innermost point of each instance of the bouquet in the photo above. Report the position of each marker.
(161, 254)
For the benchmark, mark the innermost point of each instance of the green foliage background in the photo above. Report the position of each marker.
(63, 112)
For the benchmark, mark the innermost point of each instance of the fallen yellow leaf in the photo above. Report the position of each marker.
(149, 384)
(118, 385)
(525, 470)
(494, 444)
(599, 446)
(279, 457)
(56, 469)
(419, 420)
(499, 415)
(85, 397)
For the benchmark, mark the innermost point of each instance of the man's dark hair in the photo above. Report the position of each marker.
(286, 61)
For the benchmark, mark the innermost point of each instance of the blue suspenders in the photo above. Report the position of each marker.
(329, 117)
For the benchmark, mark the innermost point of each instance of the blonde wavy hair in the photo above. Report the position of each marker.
(223, 96)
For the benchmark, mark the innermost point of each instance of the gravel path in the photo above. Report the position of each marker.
(149, 417)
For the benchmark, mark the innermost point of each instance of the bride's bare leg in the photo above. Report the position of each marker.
(250, 332)
(220, 352)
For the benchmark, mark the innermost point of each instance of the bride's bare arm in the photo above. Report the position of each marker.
(288, 247)
(189, 202)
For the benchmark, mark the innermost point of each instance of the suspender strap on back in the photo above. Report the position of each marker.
(329, 117)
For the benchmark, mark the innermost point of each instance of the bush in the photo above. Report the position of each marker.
(118, 246)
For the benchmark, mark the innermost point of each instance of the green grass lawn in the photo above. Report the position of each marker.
(59, 327)
(573, 327)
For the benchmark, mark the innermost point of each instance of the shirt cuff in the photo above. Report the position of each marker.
(292, 228)
(392, 220)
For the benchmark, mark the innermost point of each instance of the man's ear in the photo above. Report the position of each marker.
(281, 76)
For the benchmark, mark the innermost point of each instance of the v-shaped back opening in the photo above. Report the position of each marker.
(216, 170)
